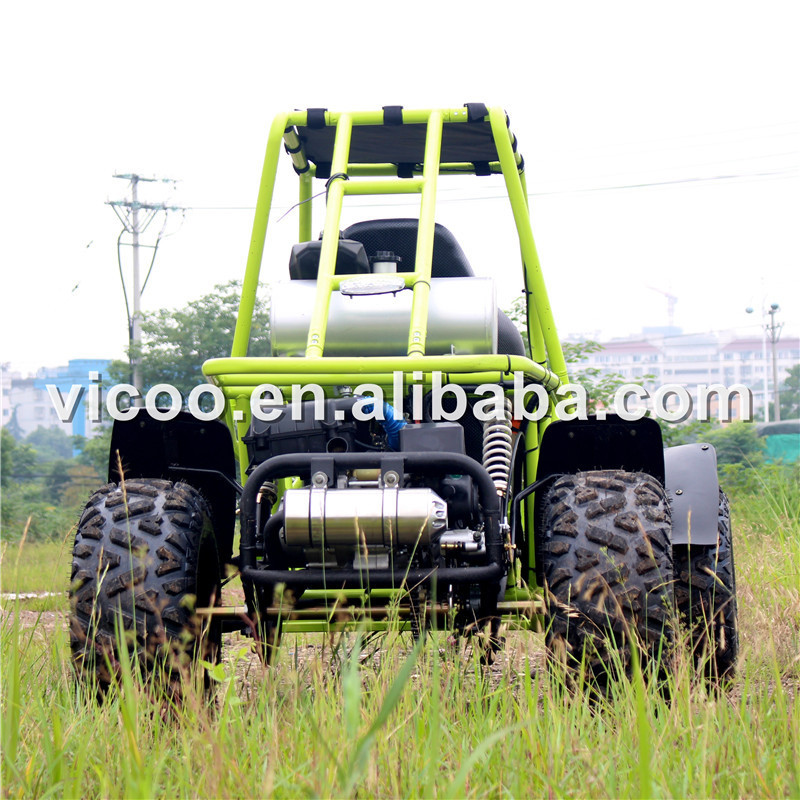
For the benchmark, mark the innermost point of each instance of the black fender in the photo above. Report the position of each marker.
(693, 490)
(185, 448)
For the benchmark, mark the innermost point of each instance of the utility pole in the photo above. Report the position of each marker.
(135, 223)
(774, 331)
(135, 334)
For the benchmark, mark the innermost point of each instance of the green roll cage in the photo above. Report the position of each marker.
(374, 171)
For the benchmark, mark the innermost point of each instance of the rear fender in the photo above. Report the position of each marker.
(693, 491)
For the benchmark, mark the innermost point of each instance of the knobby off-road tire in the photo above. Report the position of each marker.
(608, 573)
(144, 558)
(705, 596)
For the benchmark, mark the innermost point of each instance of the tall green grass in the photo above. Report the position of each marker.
(35, 567)
(400, 721)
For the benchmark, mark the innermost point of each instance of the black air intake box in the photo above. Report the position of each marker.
(308, 434)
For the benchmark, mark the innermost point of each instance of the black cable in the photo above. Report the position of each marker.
(336, 176)
(148, 219)
(772, 174)
(122, 219)
(161, 235)
(122, 279)
(296, 205)
(150, 268)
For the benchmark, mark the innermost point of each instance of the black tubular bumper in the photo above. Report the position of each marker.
(306, 464)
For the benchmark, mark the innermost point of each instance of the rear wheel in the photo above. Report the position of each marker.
(608, 572)
(144, 559)
(705, 595)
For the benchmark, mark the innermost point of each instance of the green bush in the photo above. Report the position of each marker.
(737, 443)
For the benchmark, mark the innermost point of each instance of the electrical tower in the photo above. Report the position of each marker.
(136, 216)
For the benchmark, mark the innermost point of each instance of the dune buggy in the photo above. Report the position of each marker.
(378, 497)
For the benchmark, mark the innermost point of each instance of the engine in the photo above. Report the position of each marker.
(381, 515)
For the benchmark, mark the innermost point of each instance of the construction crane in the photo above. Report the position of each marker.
(671, 300)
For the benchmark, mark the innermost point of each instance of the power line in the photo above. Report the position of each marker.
(763, 175)
(696, 136)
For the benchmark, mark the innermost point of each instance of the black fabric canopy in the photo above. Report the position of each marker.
(468, 142)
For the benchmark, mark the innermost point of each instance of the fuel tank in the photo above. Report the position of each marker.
(462, 319)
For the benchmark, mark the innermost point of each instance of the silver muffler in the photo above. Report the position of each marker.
(319, 518)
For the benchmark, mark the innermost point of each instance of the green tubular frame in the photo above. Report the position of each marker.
(238, 375)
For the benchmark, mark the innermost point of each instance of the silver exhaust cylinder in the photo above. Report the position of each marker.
(388, 517)
(462, 318)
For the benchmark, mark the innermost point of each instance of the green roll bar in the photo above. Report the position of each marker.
(540, 324)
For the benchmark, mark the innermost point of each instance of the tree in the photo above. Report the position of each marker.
(95, 451)
(677, 433)
(17, 460)
(13, 426)
(176, 341)
(737, 443)
(50, 443)
(517, 313)
(69, 483)
(7, 447)
(601, 385)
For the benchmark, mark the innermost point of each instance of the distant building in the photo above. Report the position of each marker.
(26, 403)
(700, 358)
(5, 394)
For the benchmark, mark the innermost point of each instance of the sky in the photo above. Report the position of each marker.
(661, 143)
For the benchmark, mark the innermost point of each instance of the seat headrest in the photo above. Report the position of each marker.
(351, 259)
(400, 237)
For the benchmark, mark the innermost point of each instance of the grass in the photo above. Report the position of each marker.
(40, 568)
(392, 721)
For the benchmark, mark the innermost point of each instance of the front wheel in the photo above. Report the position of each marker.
(144, 559)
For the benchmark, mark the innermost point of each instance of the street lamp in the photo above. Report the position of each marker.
(773, 330)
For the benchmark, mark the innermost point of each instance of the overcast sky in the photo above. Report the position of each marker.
(662, 145)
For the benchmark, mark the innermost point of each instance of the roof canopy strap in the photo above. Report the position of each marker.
(393, 115)
(316, 117)
(476, 112)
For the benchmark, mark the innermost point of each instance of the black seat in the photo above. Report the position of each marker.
(400, 237)
(351, 259)
(449, 261)
(509, 339)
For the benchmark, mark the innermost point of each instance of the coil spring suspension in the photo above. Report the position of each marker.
(497, 448)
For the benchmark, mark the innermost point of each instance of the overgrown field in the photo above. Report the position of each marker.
(380, 719)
